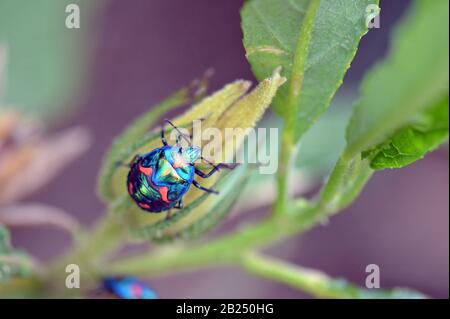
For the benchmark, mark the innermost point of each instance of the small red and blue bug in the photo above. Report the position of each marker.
(158, 180)
(128, 288)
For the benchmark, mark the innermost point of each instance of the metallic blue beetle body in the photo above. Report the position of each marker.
(158, 180)
(128, 288)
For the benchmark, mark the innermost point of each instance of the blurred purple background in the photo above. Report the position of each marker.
(144, 50)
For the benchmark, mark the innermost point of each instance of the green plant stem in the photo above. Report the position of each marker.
(91, 249)
(289, 138)
(311, 281)
(287, 146)
(237, 250)
(225, 250)
(344, 183)
(229, 248)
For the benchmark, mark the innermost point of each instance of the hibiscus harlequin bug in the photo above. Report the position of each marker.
(128, 288)
(158, 180)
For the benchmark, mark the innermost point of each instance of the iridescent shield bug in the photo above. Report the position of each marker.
(158, 180)
(128, 288)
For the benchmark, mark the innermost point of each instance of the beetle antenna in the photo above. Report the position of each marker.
(179, 132)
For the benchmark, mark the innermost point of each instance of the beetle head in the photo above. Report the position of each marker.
(191, 153)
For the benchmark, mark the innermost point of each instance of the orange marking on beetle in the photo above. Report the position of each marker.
(146, 170)
(179, 161)
(130, 188)
(144, 205)
(163, 191)
(136, 290)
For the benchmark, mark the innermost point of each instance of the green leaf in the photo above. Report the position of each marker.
(314, 42)
(412, 142)
(399, 94)
(46, 60)
(404, 100)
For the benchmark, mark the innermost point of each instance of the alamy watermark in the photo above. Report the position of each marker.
(73, 16)
(373, 16)
(373, 277)
(234, 145)
(73, 277)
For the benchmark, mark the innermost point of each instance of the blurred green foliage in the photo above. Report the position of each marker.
(403, 109)
(321, 145)
(45, 60)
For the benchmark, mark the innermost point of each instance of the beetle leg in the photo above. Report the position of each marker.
(208, 190)
(125, 164)
(179, 205)
(169, 215)
(215, 169)
(122, 164)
